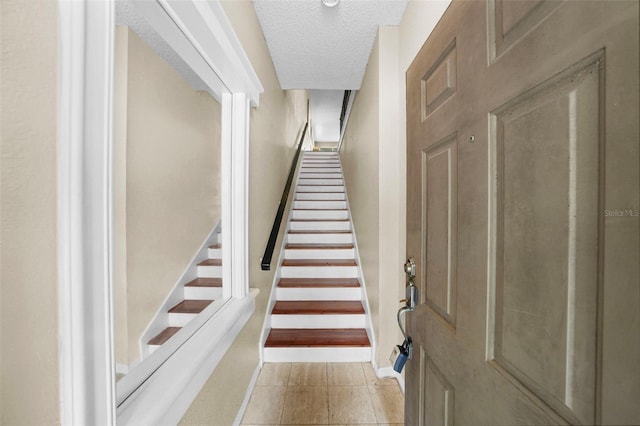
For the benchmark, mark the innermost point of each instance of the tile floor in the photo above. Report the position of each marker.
(324, 394)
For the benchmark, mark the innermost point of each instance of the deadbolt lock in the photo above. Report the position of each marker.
(410, 268)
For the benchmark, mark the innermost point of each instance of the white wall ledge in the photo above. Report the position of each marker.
(168, 392)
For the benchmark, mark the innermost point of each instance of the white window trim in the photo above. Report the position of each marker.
(201, 34)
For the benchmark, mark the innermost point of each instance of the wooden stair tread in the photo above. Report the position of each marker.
(319, 220)
(310, 231)
(319, 262)
(319, 246)
(164, 335)
(215, 246)
(211, 262)
(317, 337)
(318, 282)
(205, 282)
(318, 307)
(190, 306)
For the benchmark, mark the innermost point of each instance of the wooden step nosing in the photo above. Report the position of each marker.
(320, 337)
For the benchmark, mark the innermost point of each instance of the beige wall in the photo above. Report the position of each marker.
(370, 159)
(171, 165)
(374, 159)
(29, 309)
(273, 137)
(360, 156)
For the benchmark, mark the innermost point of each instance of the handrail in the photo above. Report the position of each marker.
(343, 112)
(347, 105)
(265, 263)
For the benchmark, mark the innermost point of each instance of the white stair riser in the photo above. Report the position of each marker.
(215, 253)
(202, 293)
(320, 214)
(210, 271)
(323, 293)
(315, 175)
(320, 238)
(329, 354)
(180, 320)
(320, 182)
(318, 196)
(318, 321)
(320, 188)
(153, 348)
(319, 254)
(329, 156)
(323, 156)
(332, 225)
(319, 272)
(312, 169)
(322, 204)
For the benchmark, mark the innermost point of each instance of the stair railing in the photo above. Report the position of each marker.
(345, 114)
(265, 263)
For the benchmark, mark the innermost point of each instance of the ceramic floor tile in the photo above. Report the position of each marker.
(274, 374)
(388, 403)
(306, 405)
(373, 380)
(346, 374)
(350, 404)
(265, 405)
(308, 374)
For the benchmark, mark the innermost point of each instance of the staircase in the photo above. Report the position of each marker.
(194, 296)
(318, 313)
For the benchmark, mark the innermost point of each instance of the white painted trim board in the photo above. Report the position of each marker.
(85, 199)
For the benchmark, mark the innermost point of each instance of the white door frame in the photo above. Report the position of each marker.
(85, 172)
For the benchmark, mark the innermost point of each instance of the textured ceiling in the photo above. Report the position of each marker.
(319, 47)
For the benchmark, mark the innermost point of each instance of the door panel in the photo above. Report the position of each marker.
(546, 247)
(440, 185)
(522, 138)
(439, 395)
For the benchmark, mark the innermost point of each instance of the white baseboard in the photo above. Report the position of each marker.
(389, 372)
(247, 395)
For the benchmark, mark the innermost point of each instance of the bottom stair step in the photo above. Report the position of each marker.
(317, 337)
(317, 345)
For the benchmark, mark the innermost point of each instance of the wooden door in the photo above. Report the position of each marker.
(522, 215)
